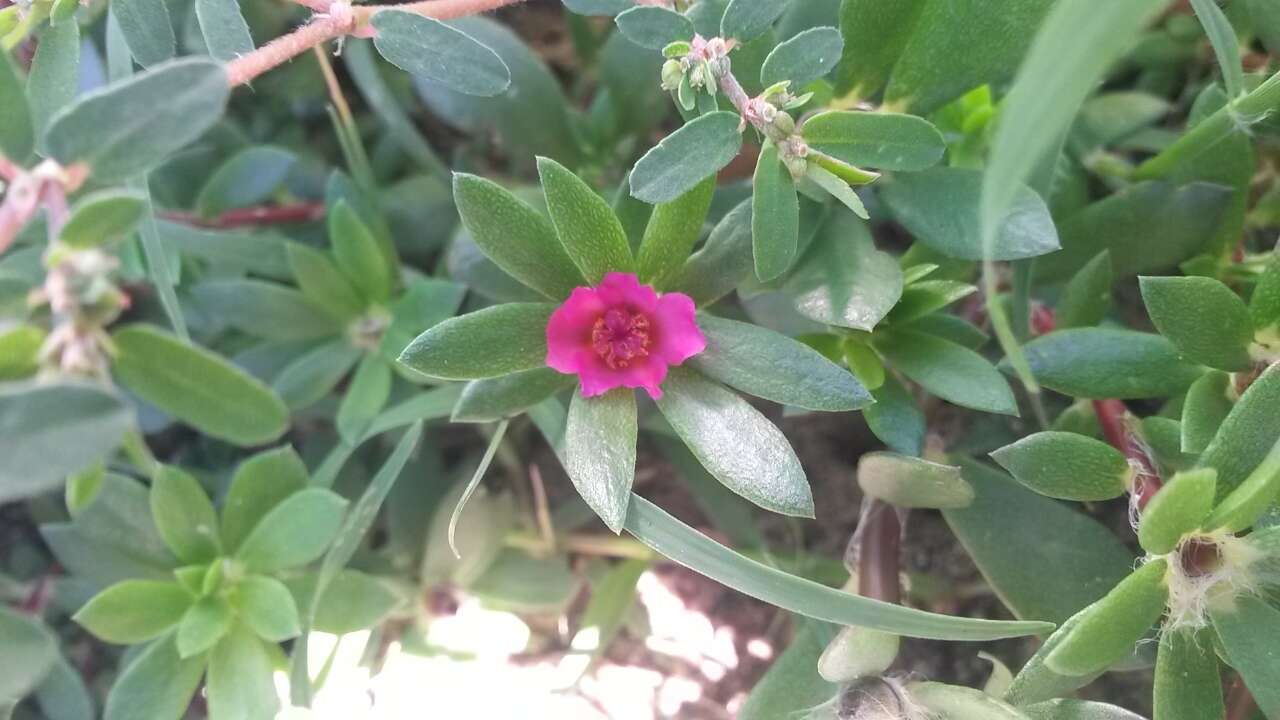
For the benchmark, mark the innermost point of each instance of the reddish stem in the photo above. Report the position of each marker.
(1115, 420)
(251, 216)
(1240, 702)
(879, 554)
(38, 599)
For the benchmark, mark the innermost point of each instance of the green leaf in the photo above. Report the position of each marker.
(613, 595)
(54, 79)
(48, 431)
(515, 236)
(1247, 435)
(366, 395)
(248, 177)
(842, 279)
(910, 482)
(939, 207)
(185, 98)
(1188, 682)
(27, 652)
(735, 443)
(585, 223)
(431, 50)
(772, 366)
(323, 283)
(264, 255)
(939, 62)
(267, 607)
(1209, 400)
(1035, 682)
(17, 135)
(600, 452)
(775, 215)
(598, 7)
(311, 376)
(265, 309)
(1099, 363)
(952, 372)
(134, 611)
(1066, 466)
(147, 30)
(890, 141)
(654, 27)
(1185, 217)
(1226, 46)
(1087, 296)
(746, 19)
(480, 535)
(63, 694)
(157, 684)
(962, 703)
(103, 217)
(1177, 509)
(895, 418)
(488, 343)
(521, 583)
(1250, 632)
(1012, 534)
(791, 684)
(352, 601)
(1264, 304)
(241, 678)
(803, 58)
(295, 532)
(500, 398)
(1077, 710)
(857, 652)
(686, 157)
(197, 387)
(875, 34)
(426, 302)
(836, 186)
(671, 232)
(206, 622)
(225, 31)
(1251, 499)
(668, 536)
(530, 117)
(723, 261)
(358, 254)
(20, 351)
(1204, 319)
(184, 516)
(924, 298)
(1109, 628)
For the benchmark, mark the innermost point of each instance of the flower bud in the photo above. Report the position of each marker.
(672, 74)
(871, 698)
(9, 19)
(783, 123)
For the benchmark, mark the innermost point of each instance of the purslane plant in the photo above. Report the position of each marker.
(622, 323)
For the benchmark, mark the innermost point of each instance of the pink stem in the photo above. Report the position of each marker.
(250, 216)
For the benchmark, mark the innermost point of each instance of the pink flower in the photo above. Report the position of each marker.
(622, 334)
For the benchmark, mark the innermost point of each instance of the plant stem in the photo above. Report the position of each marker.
(437, 9)
(1240, 702)
(879, 554)
(251, 216)
(326, 27)
(1114, 418)
(1214, 129)
(321, 29)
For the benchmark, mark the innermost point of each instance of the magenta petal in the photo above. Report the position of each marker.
(569, 330)
(622, 333)
(624, 290)
(679, 337)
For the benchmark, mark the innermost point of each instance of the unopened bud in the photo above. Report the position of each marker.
(783, 123)
(872, 699)
(9, 19)
(672, 74)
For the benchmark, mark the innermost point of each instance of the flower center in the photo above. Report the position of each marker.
(620, 336)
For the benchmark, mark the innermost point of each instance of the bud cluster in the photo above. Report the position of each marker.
(83, 299)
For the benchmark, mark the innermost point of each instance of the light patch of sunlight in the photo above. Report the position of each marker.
(477, 674)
